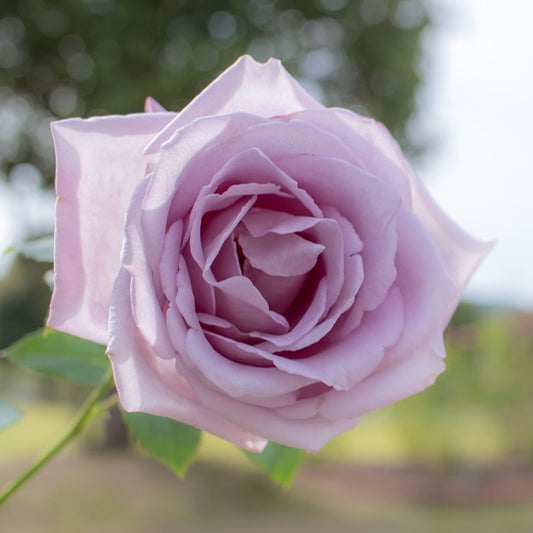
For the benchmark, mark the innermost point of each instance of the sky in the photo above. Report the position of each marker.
(478, 102)
(477, 107)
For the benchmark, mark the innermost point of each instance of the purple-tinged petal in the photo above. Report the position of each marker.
(344, 364)
(146, 307)
(183, 168)
(238, 301)
(308, 434)
(389, 383)
(264, 89)
(98, 164)
(280, 255)
(226, 263)
(428, 292)
(234, 378)
(279, 291)
(259, 222)
(152, 106)
(370, 207)
(149, 384)
(170, 258)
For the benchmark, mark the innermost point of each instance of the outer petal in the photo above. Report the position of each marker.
(389, 383)
(264, 89)
(99, 162)
(383, 157)
(149, 384)
(307, 433)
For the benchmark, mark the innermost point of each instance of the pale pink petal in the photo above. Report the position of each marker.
(459, 251)
(280, 255)
(308, 434)
(168, 265)
(389, 383)
(226, 263)
(345, 363)
(234, 378)
(98, 164)
(374, 149)
(259, 222)
(152, 106)
(279, 291)
(369, 205)
(208, 236)
(182, 169)
(204, 293)
(146, 307)
(428, 292)
(239, 302)
(264, 89)
(250, 167)
(223, 327)
(149, 384)
(383, 157)
(312, 314)
(234, 350)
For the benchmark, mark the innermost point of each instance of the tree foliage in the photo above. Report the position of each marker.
(83, 57)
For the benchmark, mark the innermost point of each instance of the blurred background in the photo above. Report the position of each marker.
(450, 80)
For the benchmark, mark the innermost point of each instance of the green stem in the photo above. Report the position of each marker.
(86, 412)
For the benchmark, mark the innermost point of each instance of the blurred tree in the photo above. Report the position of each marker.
(83, 57)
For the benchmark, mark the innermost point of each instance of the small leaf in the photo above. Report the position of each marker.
(173, 443)
(60, 355)
(280, 462)
(8, 415)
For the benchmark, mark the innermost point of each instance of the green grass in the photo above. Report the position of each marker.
(40, 426)
(389, 436)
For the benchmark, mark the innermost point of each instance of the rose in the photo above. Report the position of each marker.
(282, 271)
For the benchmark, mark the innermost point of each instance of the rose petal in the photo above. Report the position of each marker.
(280, 255)
(383, 157)
(171, 184)
(308, 434)
(428, 291)
(152, 106)
(344, 364)
(279, 291)
(226, 263)
(147, 309)
(238, 301)
(265, 89)
(169, 259)
(234, 378)
(259, 222)
(388, 384)
(149, 384)
(99, 163)
(370, 207)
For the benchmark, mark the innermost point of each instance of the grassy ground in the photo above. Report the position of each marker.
(123, 492)
(126, 493)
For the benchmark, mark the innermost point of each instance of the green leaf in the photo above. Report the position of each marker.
(8, 415)
(173, 443)
(60, 355)
(280, 462)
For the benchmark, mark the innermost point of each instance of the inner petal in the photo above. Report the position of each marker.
(280, 255)
(279, 291)
(238, 301)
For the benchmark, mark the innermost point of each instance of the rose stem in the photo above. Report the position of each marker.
(89, 410)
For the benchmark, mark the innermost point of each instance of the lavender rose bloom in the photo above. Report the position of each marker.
(259, 266)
